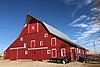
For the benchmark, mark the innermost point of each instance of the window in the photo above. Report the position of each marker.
(53, 41)
(21, 39)
(63, 52)
(48, 52)
(79, 51)
(41, 43)
(46, 35)
(26, 52)
(33, 28)
(25, 45)
(83, 51)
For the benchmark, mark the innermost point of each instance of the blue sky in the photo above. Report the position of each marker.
(72, 17)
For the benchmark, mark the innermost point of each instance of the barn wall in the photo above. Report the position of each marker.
(35, 31)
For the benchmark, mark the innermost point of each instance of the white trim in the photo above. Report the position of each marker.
(38, 48)
(31, 43)
(55, 41)
(72, 48)
(79, 51)
(64, 52)
(17, 54)
(41, 43)
(26, 52)
(48, 52)
(17, 48)
(25, 45)
(52, 52)
(25, 25)
(21, 39)
(83, 52)
(46, 35)
(37, 27)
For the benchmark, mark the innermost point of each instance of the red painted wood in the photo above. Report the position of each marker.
(54, 53)
(28, 33)
(13, 55)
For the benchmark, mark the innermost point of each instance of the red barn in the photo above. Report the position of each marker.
(40, 41)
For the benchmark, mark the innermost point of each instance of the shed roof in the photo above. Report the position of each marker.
(53, 31)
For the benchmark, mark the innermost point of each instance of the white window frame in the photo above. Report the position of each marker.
(37, 27)
(26, 52)
(33, 28)
(79, 51)
(46, 35)
(48, 52)
(55, 41)
(31, 43)
(62, 52)
(25, 45)
(41, 43)
(21, 39)
(52, 52)
(83, 52)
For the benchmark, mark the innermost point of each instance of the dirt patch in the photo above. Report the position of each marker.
(25, 63)
(92, 65)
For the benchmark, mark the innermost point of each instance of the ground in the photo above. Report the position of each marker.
(29, 63)
(8, 63)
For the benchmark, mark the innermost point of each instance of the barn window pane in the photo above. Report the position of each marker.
(63, 52)
(53, 41)
(21, 39)
(25, 45)
(41, 43)
(26, 52)
(48, 52)
(46, 35)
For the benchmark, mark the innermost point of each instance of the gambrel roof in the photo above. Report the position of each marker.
(53, 31)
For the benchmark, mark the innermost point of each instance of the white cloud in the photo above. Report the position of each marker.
(98, 42)
(82, 17)
(79, 4)
(88, 32)
(88, 1)
(89, 29)
(82, 25)
(83, 36)
(89, 44)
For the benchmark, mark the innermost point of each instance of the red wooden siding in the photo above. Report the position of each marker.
(27, 45)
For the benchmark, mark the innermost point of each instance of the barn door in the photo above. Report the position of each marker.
(13, 54)
(32, 45)
(54, 53)
(73, 54)
(39, 55)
